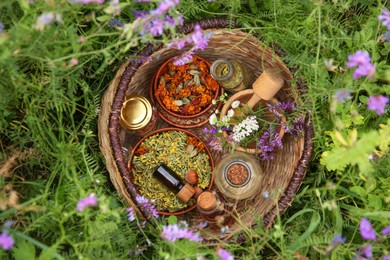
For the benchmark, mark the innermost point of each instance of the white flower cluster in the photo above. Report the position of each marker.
(245, 128)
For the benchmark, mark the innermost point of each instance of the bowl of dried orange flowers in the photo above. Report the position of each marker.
(183, 94)
(181, 152)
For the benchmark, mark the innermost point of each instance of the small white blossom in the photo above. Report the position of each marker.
(45, 19)
(225, 119)
(245, 128)
(214, 102)
(235, 104)
(213, 119)
(216, 112)
(230, 113)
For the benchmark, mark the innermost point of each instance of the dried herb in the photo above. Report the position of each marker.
(187, 89)
(169, 148)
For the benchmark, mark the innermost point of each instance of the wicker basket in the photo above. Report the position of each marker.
(284, 173)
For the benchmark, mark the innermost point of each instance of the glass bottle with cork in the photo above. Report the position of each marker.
(212, 208)
(138, 115)
(232, 75)
(172, 181)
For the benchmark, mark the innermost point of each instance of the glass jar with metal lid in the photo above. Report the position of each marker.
(138, 115)
(232, 75)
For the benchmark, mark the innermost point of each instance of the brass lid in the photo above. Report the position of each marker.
(136, 112)
(207, 201)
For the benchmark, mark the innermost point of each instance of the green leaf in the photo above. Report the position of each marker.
(359, 191)
(314, 222)
(103, 18)
(23, 250)
(172, 220)
(374, 201)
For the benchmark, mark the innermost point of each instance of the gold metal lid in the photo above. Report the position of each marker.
(136, 112)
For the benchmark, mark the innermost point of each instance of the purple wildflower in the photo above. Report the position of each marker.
(361, 60)
(131, 214)
(6, 241)
(366, 230)
(366, 250)
(84, 2)
(140, 14)
(45, 19)
(377, 104)
(1, 27)
(183, 59)
(90, 200)
(386, 37)
(342, 95)
(200, 41)
(386, 257)
(213, 130)
(338, 239)
(165, 6)
(224, 254)
(268, 143)
(286, 106)
(297, 125)
(364, 70)
(146, 206)
(173, 232)
(385, 18)
(358, 59)
(215, 143)
(386, 231)
(157, 27)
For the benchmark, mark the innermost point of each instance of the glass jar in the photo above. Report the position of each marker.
(232, 75)
(211, 207)
(138, 115)
(238, 176)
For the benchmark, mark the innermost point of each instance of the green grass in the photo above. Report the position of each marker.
(49, 113)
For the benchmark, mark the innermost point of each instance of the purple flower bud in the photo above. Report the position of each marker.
(386, 231)
(224, 254)
(377, 104)
(89, 201)
(6, 241)
(385, 18)
(366, 230)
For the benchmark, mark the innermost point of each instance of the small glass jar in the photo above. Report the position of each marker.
(210, 207)
(238, 176)
(138, 115)
(232, 75)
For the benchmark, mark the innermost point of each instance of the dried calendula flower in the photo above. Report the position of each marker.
(191, 79)
(169, 148)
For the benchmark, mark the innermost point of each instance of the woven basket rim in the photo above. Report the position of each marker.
(115, 153)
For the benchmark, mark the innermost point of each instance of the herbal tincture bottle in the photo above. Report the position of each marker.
(209, 206)
(138, 115)
(230, 74)
(172, 181)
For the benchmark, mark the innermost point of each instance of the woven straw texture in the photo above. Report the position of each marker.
(284, 174)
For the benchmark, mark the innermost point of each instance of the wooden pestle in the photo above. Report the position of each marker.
(265, 87)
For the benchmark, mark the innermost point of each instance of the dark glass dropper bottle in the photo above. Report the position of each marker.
(173, 182)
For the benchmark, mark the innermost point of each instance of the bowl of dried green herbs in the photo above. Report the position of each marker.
(181, 151)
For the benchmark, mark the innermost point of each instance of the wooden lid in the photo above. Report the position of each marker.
(207, 201)
(186, 193)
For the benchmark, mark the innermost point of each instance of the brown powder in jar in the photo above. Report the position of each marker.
(237, 174)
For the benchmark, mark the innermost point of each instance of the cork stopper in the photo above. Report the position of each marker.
(186, 193)
(207, 201)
